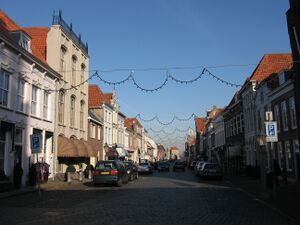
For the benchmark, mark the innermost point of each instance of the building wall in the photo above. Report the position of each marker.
(23, 66)
(56, 39)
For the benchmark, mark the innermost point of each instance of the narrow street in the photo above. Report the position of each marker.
(161, 198)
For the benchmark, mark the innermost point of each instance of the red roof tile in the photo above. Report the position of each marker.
(107, 97)
(95, 95)
(270, 64)
(38, 41)
(200, 125)
(130, 121)
(8, 23)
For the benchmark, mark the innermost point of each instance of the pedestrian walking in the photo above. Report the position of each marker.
(277, 172)
(18, 173)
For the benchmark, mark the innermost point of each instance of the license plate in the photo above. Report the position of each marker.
(104, 172)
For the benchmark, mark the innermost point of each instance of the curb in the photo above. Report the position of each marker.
(261, 201)
(9, 194)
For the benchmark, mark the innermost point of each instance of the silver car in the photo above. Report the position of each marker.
(145, 168)
(211, 170)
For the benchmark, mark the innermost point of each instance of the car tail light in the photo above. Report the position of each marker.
(95, 173)
(114, 172)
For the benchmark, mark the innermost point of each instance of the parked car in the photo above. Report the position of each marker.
(110, 171)
(132, 170)
(145, 168)
(211, 170)
(163, 166)
(198, 167)
(192, 165)
(179, 165)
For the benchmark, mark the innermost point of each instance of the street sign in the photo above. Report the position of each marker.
(271, 131)
(36, 143)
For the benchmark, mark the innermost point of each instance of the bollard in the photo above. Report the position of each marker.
(69, 177)
(90, 174)
(80, 176)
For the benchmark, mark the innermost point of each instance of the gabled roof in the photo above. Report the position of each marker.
(95, 95)
(130, 121)
(38, 41)
(200, 125)
(7, 23)
(271, 63)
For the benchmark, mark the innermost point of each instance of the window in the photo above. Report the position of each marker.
(61, 103)
(72, 115)
(46, 105)
(288, 156)
(24, 42)
(20, 96)
(82, 79)
(81, 115)
(280, 154)
(259, 121)
(92, 131)
(261, 97)
(74, 60)
(296, 146)
(62, 66)
(284, 116)
(293, 112)
(4, 86)
(2, 148)
(34, 101)
(99, 133)
(277, 117)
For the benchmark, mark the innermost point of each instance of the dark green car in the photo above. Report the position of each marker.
(110, 172)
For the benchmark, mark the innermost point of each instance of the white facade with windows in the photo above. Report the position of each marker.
(26, 106)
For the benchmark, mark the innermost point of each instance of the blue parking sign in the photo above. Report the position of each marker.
(271, 131)
(36, 143)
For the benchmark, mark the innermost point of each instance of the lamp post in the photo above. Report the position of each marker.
(106, 148)
(261, 141)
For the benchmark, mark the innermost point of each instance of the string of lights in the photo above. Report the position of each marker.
(169, 133)
(175, 117)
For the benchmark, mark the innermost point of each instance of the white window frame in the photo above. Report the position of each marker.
(21, 95)
(46, 105)
(34, 100)
(277, 117)
(73, 77)
(284, 116)
(81, 115)
(293, 116)
(72, 113)
(61, 106)
(4, 87)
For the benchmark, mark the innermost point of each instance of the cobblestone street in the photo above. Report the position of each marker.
(160, 198)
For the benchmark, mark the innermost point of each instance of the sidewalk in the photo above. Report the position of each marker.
(286, 201)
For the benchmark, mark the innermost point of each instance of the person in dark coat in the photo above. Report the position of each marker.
(277, 172)
(18, 173)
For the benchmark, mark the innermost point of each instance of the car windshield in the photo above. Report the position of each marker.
(105, 165)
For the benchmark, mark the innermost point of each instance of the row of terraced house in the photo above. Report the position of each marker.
(232, 135)
(44, 90)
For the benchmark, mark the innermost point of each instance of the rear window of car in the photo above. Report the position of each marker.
(144, 164)
(105, 165)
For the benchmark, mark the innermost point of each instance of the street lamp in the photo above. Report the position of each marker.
(106, 148)
(261, 141)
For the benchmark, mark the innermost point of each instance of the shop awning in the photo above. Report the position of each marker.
(68, 147)
(122, 152)
(96, 146)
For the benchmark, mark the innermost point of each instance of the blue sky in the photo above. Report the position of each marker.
(137, 34)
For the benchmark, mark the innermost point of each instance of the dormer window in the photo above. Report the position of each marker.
(22, 39)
